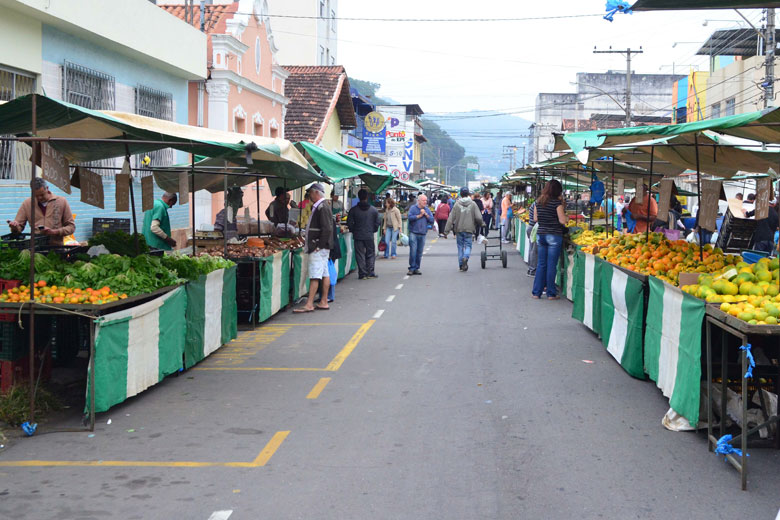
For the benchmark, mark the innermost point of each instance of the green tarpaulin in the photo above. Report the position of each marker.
(338, 167)
(212, 314)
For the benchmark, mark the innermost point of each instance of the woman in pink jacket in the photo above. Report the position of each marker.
(441, 216)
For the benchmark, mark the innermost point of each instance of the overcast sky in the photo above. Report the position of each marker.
(463, 66)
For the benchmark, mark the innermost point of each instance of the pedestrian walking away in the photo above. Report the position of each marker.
(391, 227)
(550, 215)
(419, 218)
(487, 211)
(442, 214)
(506, 208)
(363, 222)
(319, 242)
(465, 220)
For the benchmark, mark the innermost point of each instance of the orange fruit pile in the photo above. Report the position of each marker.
(45, 293)
(657, 256)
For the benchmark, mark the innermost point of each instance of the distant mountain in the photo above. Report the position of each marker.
(485, 137)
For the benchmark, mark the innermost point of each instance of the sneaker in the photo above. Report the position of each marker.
(371, 276)
(465, 265)
(409, 272)
(531, 273)
(416, 271)
(362, 277)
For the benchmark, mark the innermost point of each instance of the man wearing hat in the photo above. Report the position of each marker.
(319, 241)
(464, 220)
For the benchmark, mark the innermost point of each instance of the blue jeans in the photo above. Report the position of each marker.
(416, 246)
(464, 246)
(549, 249)
(391, 238)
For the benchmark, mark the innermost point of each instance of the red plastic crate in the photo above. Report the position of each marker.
(16, 372)
(9, 284)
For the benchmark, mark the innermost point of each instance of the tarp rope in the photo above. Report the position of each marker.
(751, 361)
(615, 6)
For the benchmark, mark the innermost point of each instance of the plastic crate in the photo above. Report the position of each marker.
(103, 225)
(12, 341)
(750, 256)
(735, 233)
(22, 240)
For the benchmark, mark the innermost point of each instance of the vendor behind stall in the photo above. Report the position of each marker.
(225, 221)
(277, 212)
(157, 225)
(52, 216)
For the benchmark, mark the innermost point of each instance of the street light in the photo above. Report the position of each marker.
(675, 44)
(622, 107)
(449, 168)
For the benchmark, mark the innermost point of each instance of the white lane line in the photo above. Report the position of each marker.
(390, 298)
(406, 277)
(378, 314)
(399, 286)
(221, 515)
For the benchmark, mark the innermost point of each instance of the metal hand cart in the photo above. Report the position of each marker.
(500, 254)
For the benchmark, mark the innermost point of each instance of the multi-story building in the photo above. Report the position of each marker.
(244, 92)
(131, 57)
(306, 31)
(599, 102)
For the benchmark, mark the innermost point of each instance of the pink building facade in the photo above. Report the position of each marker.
(244, 92)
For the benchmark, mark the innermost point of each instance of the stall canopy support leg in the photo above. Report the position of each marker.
(92, 375)
(698, 189)
(649, 192)
(31, 323)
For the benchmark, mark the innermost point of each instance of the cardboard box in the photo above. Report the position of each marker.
(688, 279)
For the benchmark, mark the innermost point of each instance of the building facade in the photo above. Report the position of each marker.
(307, 31)
(599, 102)
(244, 92)
(91, 56)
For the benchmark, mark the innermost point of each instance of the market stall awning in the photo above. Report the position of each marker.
(92, 135)
(375, 178)
(411, 185)
(692, 5)
(338, 167)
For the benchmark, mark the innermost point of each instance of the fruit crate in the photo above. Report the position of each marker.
(21, 241)
(5, 285)
(12, 341)
(735, 233)
(103, 225)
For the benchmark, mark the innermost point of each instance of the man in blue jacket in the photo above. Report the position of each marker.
(419, 218)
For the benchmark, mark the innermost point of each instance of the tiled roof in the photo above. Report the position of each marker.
(214, 13)
(312, 92)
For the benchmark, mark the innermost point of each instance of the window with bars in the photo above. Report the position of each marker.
(154, 103)
(14, 157)
(730, 106)
(715, 111)
(93, 89)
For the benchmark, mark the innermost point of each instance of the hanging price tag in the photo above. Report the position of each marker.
(184, 188)
(665, 197)
(147, 193)
(640, 192)
(763, 194)
(55, 167)
(122, 195)
(91, 186)
(708, 209)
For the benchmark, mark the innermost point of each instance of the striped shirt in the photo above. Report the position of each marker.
(547, 217)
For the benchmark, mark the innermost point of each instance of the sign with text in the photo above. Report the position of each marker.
(91, 186)
(763, 194)
(665, 197)
(122, 192)
(708, 209)
(147, 193)
(374, 142)
(374, 122)
(184, 188)
(474, 167)
(55, 167)
(640, 193)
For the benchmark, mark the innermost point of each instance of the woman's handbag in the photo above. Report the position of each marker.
(382, 245)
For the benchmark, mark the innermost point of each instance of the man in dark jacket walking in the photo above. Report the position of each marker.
(363, 222)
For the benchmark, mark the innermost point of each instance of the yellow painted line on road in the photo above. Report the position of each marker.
(337, 361)
(261, 460)
(318, 388)
(318, 324)
(267, 369)
(434, 240)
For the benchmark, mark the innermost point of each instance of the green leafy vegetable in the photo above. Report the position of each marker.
(120, 243)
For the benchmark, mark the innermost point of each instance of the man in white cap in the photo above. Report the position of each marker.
(319, 241)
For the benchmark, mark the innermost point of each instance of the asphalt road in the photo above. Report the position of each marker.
(447, 395)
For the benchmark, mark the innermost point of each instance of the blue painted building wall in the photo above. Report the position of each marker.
(57, 47)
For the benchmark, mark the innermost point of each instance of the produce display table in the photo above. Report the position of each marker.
(300, 273)
(586, 290)
(347, 263)
(673, 346)
(523, 242)
(567, 273)
(768, 336)
(622, 315)
(274, 284)
(212, 314)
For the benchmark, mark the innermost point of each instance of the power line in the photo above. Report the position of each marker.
(456, 20)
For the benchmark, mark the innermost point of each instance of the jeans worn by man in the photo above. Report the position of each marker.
(464, 221)
(416, 246)
(547, 267)
(464, 247)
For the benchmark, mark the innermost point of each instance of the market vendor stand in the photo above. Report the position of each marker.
(747, 335)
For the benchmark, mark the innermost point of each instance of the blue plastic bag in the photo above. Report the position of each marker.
(333, 273)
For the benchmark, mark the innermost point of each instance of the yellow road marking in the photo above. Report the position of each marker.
(318, 388)
(268, 369)
(315, 324)
(337, 361)
(261, 460)
(434, 240)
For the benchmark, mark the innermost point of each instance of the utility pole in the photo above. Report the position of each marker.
(769, 42)
(628, 52)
